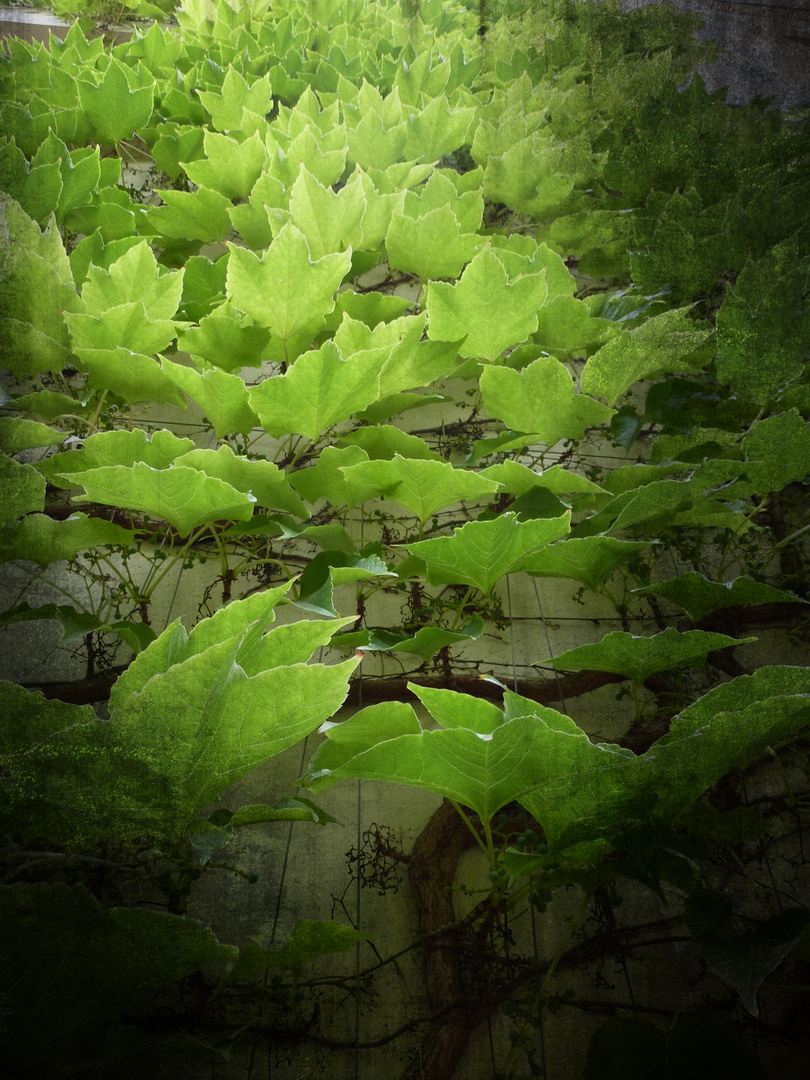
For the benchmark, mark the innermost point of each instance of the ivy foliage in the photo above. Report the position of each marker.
(444, 305)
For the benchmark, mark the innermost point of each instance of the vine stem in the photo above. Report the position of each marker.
(462, 605)
(512, 1061)
(487, 847)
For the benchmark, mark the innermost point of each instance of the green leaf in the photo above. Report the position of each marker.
(482, 771)
(660, 345)
(541, 399)
(308, 941)
(229, 167)
(387, 442)
(493, 313)
(591, 559)
(184, 497)
(133, 277)
(192, 215)
(302, 289)
(777, 452)
(74, 966)
(330, 568)
(40, 539)
(222, 397)
(125, 322)
(453, 710)
(325, 479)
(226, 339)
(425, 642)
(178, 725)
(700, 597)
(423, 487)
(481, 552)
(366, 728)
(318, 391)
(23, 492)
(130, 375)
(329, 221)
(119, 448)
(763, 327)
(226, 108)
(639, 657)
(262, 480)
(744, 961)
(431, 246)
(115, 107)
(289, 809)
(175, 645)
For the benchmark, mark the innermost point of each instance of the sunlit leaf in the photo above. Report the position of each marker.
(319, 390)
(481, 552)
(541, 399)
(23, 492)
(184, 497)
(483, 305)
(423, 487)
(285, 289)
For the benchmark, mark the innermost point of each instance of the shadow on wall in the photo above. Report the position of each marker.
(765, 47)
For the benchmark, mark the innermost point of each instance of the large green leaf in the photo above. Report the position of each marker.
(482, 771)
(261, 479)
(308, 941)
(119, 448)
(662, 344)
(175, 645)
(205, 723)
(184, 497)
(43, 540)
(319, 390)
(481, 552)
(700, 597)
(325, 479)
(226, 339)
(226, 107)
(23, 491)
(639, 657)
(777, 452)
(222, 397)
(590, 559)
(541, 399)
(192, 215)
(134, 277)
(229, 167)
(125, 326)
(763, 327)
(423, 487)
(431, 246)
(285, 289)
(484, 305)
(115, 107)
(727, 729)
(17, 434)
(330, 221)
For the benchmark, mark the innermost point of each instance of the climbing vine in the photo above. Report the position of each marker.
(401, 336)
